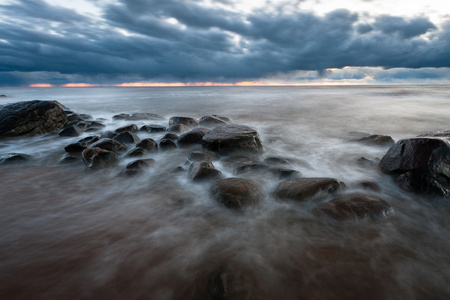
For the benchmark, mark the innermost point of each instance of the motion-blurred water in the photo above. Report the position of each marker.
(71, 233)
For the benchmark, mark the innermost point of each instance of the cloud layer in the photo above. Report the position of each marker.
(154, 40)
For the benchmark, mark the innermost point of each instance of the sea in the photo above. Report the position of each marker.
(67, 232)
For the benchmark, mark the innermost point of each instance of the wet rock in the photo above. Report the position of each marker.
(170, 136)
(110, 145)
(232, 138)
(148, 144)
(3, 96)
(108, 135)
(237, 192)
(127, 138)
(143, 116)
(71, 131)
(140, 164)
(219, 285)
(194, 136)
(82, 144)
(367, 163)
(369, 185)
(281, 173)
(357, 207)
(31, 118)
(277, 160)
(213, 121)
(130, 128)
(235, 161)
(93, 126)
(201, 155)
(203, 171)
(188, 121)
(420, 165)
(303, 189)
(251, 167)
(179, 128)
(376, 140)
(98, 158)
(153, 128)
(69, 159)
(121, 117)
(137, 152)
(9, 158)
(166, 144)
(85, 117)
(178, 169)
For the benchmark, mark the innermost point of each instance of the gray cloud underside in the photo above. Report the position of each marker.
(207, 43)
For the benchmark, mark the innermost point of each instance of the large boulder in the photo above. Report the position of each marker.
(356, 207)
(188, 121)
(31, 118)
(237, 192)
(229, 139)
(421, 165)
(303, 189)
(97, 158)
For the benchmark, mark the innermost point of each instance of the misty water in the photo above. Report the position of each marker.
(71, 233)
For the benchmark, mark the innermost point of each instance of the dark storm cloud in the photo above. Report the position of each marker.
(184, 40)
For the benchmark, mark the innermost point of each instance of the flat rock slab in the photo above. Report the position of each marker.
(357, 207)
(30, 118)
(304, 189)
(230, 139)
(237, 192)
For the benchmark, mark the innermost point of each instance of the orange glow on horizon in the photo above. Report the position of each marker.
(41, 85)
(79, 85)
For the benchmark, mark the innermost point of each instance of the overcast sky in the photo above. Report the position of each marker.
(274, 41)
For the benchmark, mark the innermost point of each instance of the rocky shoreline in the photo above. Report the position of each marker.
(419, 165)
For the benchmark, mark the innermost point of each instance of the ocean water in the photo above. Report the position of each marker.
(71, 233)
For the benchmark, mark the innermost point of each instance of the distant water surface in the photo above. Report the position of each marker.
(71, 233)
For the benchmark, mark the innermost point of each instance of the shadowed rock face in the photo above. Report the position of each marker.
(303, 189)
(203, 171)
(31, 118)
(237, 192)
(232, 138)
(421, 165)
(192, 137)
(356, 207)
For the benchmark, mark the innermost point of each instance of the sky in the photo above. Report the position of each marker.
(223, 42)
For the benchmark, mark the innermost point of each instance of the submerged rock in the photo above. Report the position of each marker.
(232, 138)
(153, 128)
(357, 207)
(376, 140)
(98, 158)
(82, 144)
(214, 121)
(31, 118)
(8, 158)
(71, 131)
(165, 144)
(303, 189)
(201, 155)
(421, 165)
(137, 152)
(68, 158)
(143, 116)
(179, 128)
(141, 164)
(127, 137)
(130, 128)
(188, 121)
(237, 192)
(203, 171)
(148, 144)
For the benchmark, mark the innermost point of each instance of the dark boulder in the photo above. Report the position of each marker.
(179, 128)
(376, 140)
(194, 136)
(82, 144)
(232, 138)
(282, 173)
(129, 128)
(31, 118)
(98, 158)
(203, 171)
(421, 165)
(108, 134)
(303, 189)
(8, 158)
(166, 144)
(137, 152)
(213, 121)
(71, 131)
(251, 167)
(127, 138)
(92, 125)
(121, 117)
(277, 160)
(148, 144)
(237, 192)
(141, 164)
(201, 155)
(188, 121)
(235, 161)
(110, 145)
(357, 207)
(170, 136)
(153, 128)
(143, 116)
